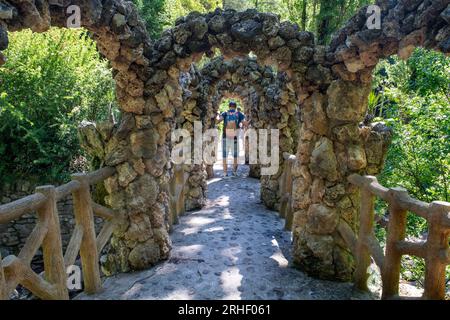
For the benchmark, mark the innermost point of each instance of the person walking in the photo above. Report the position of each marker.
(232, 120)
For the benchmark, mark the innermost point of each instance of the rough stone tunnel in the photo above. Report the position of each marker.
(315, 95)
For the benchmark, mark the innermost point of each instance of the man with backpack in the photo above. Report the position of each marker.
(232, 120)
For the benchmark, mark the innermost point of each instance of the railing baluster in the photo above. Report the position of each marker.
(366, 227)
(437, 242)
(3, 293)
(282, 193)
(47, 234)
(396, 232)
(74, 246)
(172, 187)
(33, 242)
(435, 250)
(104, 235)
(22, 273)
(84, 216)
(289, 213)
(55, 271)
(181, 199)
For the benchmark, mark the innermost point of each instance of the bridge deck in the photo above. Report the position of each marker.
(234, 248)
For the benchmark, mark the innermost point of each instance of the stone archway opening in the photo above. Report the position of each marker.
(271, 105)
(172, 55)
(220, 103)
(120, 36)
(331, 83)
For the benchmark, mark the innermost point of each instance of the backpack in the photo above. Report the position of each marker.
(232, 124)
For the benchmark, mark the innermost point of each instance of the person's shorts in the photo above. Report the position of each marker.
(229, 146)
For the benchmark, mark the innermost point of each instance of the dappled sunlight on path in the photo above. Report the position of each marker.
(234, 248)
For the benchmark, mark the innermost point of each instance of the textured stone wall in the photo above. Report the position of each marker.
(331, 84)
(333, 140)
(134, 146)
(270, 101)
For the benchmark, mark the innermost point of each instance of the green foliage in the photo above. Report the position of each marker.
(159, 15)
(419, 156)
(238, 5)
(413, 269)
(413, 98)
(332, 14)
(154, 14)
(323, 17)
(181, 8)
(429, 73)
(50, 83)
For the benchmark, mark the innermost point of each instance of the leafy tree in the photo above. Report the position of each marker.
(161, 14)
(51, 82)
(333, 14)
(154, 14)
(413, 98)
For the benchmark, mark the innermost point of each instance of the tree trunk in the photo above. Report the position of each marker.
(325, 20)
(304, 15)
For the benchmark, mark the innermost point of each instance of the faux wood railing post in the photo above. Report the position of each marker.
(88, 250)
(55, 271)
(181, 197)
(288, 193)
(173, 215)
(363, 260)
(210, 171)
(3, 293)
(289, 215)
(396, 232)
(437, 242)
(283, 190)
(181, 202)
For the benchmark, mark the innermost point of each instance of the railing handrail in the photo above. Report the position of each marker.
(177, 193)
(402, 199)
(46, 234)
(435, 250)
(18, 208)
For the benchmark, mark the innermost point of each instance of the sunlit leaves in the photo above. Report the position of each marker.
(50, 83)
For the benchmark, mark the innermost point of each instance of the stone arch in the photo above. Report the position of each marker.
(334, 141)
(332, 84)
(235, 34)
(271, 104)
(141, 154)
(122, 38)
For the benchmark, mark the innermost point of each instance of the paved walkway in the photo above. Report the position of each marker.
(234, 248)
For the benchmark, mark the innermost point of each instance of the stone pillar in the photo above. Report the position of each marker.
(333, 145)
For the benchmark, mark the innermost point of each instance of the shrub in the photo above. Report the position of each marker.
(50, 83)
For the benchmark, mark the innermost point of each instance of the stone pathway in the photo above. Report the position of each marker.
(234, 248)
